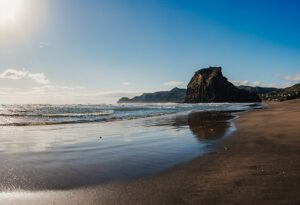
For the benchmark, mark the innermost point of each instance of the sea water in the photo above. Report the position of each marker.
(47, 147)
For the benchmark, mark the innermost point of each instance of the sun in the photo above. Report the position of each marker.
(10, 11)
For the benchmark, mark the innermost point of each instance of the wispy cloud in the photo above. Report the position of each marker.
(253, 83)
(240, 82)
(47, 92)
(174, 83)
(126, 83)
(295, 77)
(39, 78)
(14, 74)
(284, 81)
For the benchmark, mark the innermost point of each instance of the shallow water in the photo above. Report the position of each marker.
(79, 155)
(68, 156)
(28, 115)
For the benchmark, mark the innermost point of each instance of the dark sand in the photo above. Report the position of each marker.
(258, 164)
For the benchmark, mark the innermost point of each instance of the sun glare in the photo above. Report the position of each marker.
(10, 11)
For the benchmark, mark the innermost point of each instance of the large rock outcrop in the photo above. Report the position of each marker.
(209, 85)
(176, 95)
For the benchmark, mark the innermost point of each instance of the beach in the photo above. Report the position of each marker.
(258, 164)
(149, 102)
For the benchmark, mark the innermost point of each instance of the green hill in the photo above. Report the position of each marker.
(288, 93)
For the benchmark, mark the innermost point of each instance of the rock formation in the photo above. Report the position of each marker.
(209, 85)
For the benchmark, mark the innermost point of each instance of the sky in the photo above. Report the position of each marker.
(95, 51)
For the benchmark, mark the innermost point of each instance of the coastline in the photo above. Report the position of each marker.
(257, 164)
(68, 157)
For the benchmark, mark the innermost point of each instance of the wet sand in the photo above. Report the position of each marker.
(67, 157)
(258, 164)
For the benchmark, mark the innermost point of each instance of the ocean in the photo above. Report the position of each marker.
(29, 115)
(55, 147)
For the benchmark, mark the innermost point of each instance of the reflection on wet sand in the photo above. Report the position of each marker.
(72, 156)
(203, 125)
(209, 125)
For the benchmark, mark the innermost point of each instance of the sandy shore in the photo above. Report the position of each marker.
(258, 164)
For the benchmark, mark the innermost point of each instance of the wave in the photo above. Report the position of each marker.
(58, 115)
(51, 123)
(89, 120)
(54, 115)
(106, 113)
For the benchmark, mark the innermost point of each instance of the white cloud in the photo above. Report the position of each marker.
(295, 77)
(289, 81)
(245, 82)
(174, 83)
(46, 92)
(126, 83)
(13, 74)
(39, 78)
(240, 82)
(253, 84)
(257, 83)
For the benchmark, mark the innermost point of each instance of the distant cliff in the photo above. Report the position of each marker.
(176, 95)
(259, 90)
(209, 85)
(288, 93)
(275, 94)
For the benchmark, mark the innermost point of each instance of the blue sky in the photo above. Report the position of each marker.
(94, 51)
